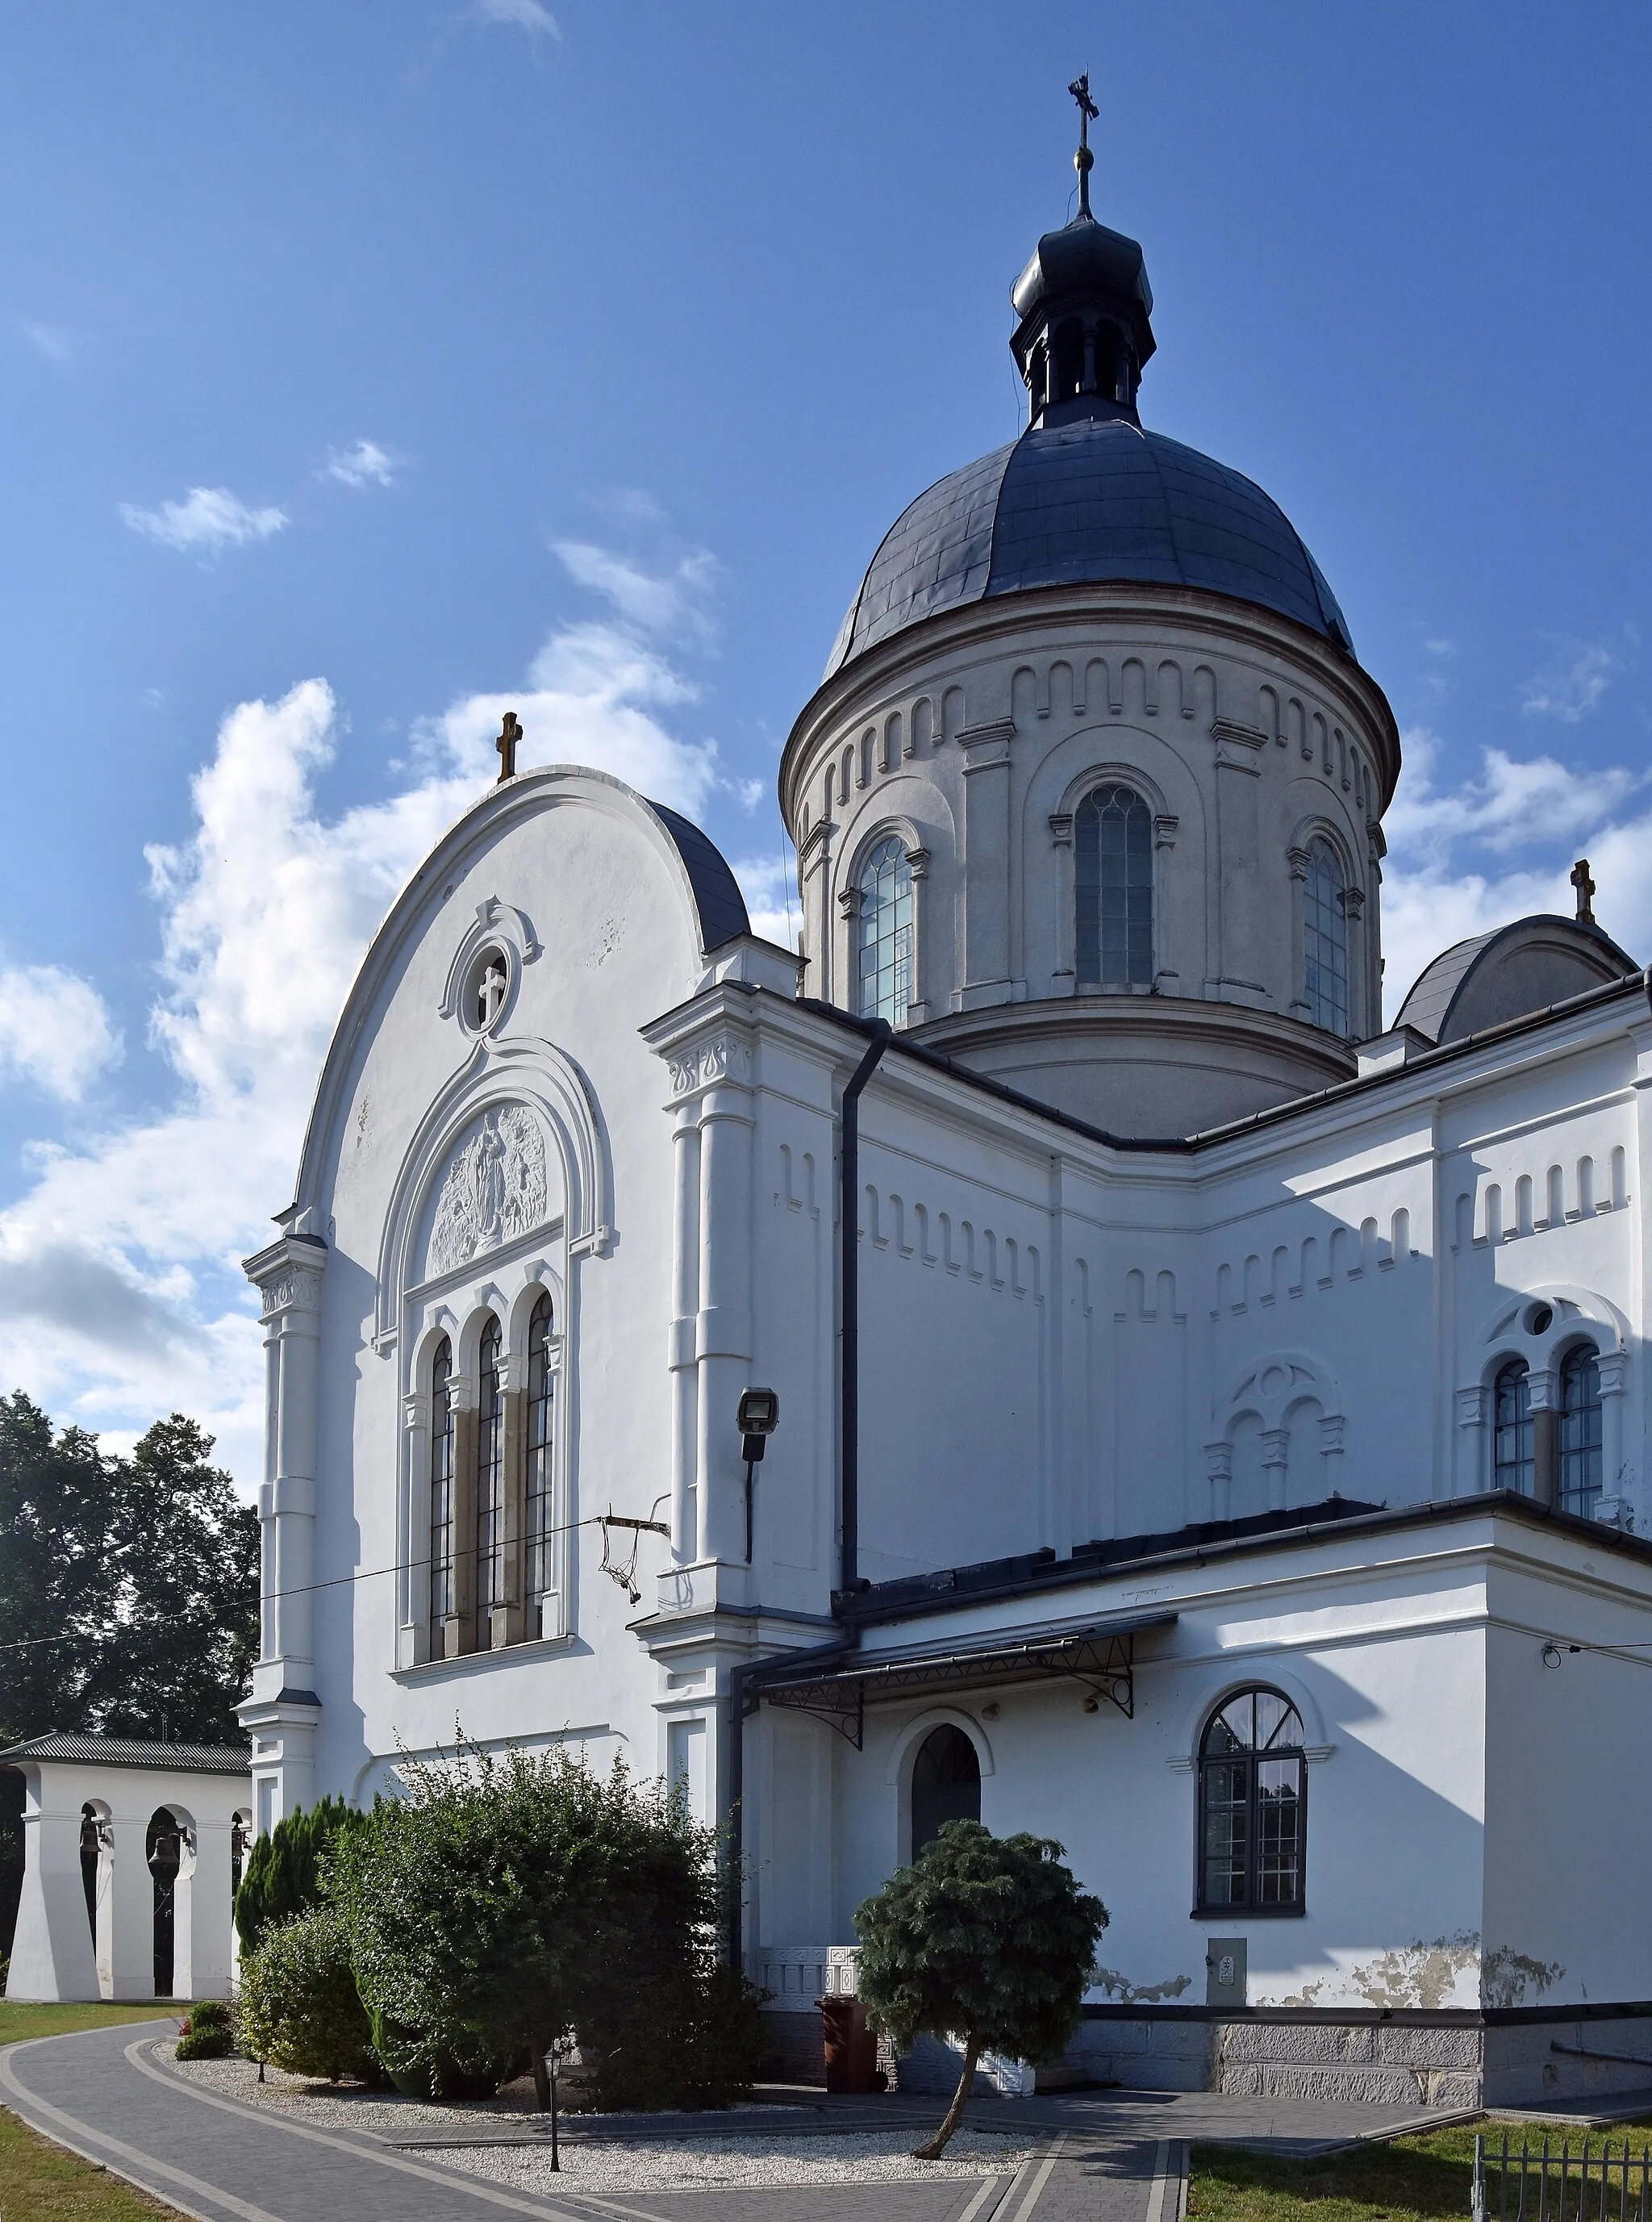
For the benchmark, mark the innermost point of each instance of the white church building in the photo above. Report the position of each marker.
(1211, 1427)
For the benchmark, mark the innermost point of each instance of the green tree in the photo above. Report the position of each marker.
(986, 1938)
(520, 1899)
(283, 1874)
(58, 1580)
(181, 1652)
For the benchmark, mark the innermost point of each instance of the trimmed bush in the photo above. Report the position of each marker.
(299, 2008)
(209, 2032)
(448, 2064)
(701, 2048)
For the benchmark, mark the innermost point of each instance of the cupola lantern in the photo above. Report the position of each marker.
(1083, 308)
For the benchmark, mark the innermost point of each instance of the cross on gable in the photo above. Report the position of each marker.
(509, 734)
(1585, 887)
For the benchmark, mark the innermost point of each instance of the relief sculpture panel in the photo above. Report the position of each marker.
(494, 1189)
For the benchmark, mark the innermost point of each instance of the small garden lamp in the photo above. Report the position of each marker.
(758, 1417)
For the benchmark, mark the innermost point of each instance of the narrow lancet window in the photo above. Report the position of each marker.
(490, 1482)
(541, 1471)
(442, 1495)
(1514, 1448)
(1112, 833)
(1325, 940)
(885, 933)
(1580, 1436)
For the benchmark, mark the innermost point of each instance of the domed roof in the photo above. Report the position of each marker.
(1510, 973)
(1086, 502)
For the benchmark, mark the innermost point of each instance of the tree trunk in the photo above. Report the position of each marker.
(943, 2137)
(541, 2078)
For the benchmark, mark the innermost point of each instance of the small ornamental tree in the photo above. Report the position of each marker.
(986, 1938)
(517, 1899)
(298, 2003)
(282, 1871)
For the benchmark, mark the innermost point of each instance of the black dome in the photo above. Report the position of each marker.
(1086, 503)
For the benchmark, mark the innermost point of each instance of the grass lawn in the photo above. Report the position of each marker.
(20, 2018)
(46, 2184)
(1425, 2176)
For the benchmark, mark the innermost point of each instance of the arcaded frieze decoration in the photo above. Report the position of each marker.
(495, 1188)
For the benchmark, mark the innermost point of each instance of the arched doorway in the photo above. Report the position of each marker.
(946, 1784)
(163, 1847)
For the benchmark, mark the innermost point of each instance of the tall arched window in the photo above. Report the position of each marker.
(1580, 1463)
(490, 1483)
(1514, 1446)
(946, 1784)
(885, 931)
(1253, 1807)
(442, 1495)
(541, 1468)
(1325, 940)
(1112, 836)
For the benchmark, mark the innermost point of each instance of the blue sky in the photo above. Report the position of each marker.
(364, 370)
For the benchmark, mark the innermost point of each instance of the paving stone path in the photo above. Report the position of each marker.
(1114, 2156)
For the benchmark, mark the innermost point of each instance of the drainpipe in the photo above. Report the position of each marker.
(849, 1308)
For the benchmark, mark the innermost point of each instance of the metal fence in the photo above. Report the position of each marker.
(1561, 2185)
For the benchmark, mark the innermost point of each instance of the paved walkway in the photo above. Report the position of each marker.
(102, 2092)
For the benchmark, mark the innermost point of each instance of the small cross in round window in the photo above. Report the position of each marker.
(490, 994)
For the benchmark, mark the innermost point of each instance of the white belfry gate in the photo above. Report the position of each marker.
(103, 1821)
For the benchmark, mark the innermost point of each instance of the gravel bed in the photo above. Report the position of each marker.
(697, 2157)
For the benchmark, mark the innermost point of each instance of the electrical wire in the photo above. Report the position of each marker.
(341, 1581)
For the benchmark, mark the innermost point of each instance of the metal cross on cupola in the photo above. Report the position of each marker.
(509, 734)
(1084, 161)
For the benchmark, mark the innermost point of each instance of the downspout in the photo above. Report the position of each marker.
(848, 1459)
(848, 1448)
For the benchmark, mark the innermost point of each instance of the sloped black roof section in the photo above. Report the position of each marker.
(1087, 504)
(721, 907)
(1430, 1006)
(117, 1751)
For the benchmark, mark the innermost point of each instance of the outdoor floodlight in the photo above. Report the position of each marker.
(757, 1419)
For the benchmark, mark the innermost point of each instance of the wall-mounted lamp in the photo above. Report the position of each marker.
(757, 1418)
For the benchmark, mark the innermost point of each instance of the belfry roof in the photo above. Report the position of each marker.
(118, 1751)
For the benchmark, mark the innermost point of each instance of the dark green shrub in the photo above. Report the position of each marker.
(987, 1938)
(209, 2032)
(521, 1900)
(299, 2007)
(282, 1871)
(701, 2048)
(441, 2064)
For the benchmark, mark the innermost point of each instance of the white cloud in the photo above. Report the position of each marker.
(674, 602)
(119, 1265)
(209, 518)
(766, 883)
(365, 464)
(530, 16)
(1571, 688)
(54, 1029)
(56, 344)
(1451, 870)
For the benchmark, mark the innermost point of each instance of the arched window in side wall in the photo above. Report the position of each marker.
(1112, 834)
(541, 1468)
(1253, 1807)
(490, 1485)
(1325, 940)
(441, 1495)
(946, 1784)
(1579, 1456)
(884, 928)
(1514, 1445)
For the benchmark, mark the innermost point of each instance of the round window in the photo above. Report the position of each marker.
(486, 990)
(1540, 1319)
